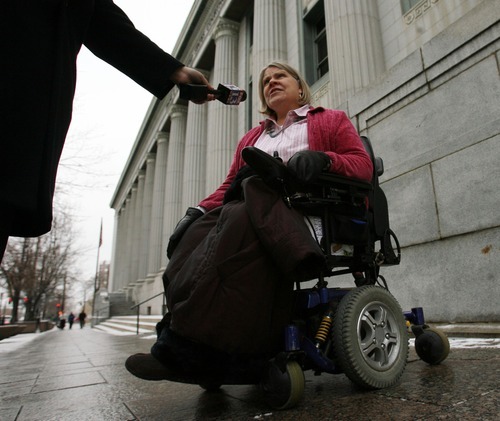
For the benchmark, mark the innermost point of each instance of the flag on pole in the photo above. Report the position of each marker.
(100, 235)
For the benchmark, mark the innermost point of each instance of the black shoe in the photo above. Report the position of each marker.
(147, 367)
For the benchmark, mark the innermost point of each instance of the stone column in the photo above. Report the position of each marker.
(146, 215)
(126, 246)
(117, 256)
(156, 254)
(113, 267)
(173, 188)
(129, 227)
(269, 42)
(195, 156)
(122, 248)
(136, 228)
(223, 127)
(355, 51)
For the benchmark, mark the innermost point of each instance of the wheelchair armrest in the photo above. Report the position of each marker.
(350, 183)
(275, 174)
(333, 189)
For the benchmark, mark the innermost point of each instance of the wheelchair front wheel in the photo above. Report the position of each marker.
(432, 346)
(283, 389)
(370, 341)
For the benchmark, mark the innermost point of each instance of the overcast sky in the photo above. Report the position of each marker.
(108, 112)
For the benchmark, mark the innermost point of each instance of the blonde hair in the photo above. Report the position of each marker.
(304, 99)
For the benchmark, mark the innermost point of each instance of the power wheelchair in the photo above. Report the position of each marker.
(361, 330)
(358, 330)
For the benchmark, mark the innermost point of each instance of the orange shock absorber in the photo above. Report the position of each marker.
(324, 329)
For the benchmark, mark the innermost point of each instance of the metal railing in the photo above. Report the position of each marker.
(138, 306)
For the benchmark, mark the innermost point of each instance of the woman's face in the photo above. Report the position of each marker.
(281, 90)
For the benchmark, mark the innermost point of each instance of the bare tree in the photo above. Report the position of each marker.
(33, 268)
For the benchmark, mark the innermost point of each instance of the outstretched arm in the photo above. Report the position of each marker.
(113, 37)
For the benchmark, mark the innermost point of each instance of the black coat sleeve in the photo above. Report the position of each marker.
(112, 37)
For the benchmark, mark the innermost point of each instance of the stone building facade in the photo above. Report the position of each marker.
(419, 78)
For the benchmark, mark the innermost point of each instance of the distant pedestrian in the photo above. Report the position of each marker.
(81, 317)
(71, 319)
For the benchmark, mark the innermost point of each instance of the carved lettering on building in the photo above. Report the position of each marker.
(418, 10)
(321, 92)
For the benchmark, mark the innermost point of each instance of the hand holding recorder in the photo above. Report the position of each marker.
(225, 93)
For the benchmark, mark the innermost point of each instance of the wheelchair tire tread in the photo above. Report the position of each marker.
(346, 348)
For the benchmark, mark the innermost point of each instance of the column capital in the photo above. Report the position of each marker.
(226, 27)
(178, 110)
(162, 136)
(151, 157)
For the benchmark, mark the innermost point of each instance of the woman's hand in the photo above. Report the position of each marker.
(308, 165)
(192, 214)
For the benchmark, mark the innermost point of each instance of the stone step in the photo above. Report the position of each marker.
(127, 325)
(122, 310)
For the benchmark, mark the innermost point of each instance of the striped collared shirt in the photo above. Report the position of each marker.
(287, 139)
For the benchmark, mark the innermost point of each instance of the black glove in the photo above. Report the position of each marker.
(308, 165)
(234, 192)
(269, 168)
(192, 214)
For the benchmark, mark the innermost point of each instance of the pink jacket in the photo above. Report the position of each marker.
(329, 131)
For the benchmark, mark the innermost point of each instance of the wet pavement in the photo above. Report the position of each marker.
(79, 374)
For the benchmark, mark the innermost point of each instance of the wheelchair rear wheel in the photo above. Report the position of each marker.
(370, 341)
(284, 389)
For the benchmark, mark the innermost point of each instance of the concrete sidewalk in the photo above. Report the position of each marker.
(469, 330)
(79, 374)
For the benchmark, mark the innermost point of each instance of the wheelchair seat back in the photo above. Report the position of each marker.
(347, 210)
(353, 212)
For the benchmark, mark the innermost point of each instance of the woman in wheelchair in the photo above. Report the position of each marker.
(235, 257)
